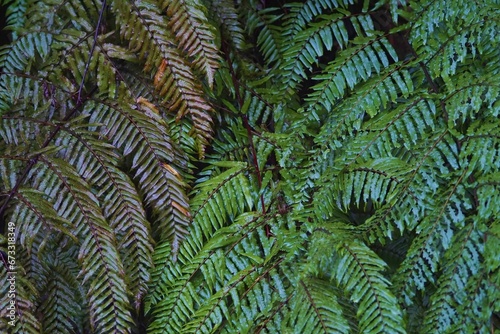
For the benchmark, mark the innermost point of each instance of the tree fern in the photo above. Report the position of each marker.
(250, 166)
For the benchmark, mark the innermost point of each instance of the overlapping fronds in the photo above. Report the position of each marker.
(90, 93)
(224, 13)
(323, 166)
(323, 307)
(358, 271)
(187, 20)
(153, 37)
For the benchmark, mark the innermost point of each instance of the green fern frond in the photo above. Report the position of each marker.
(456, 40)
(230, 187)
(359, 273)
(347, 182)
(302, 13)
(269, 38)
(14, 15)
(377, 94)
(392, 130)
(462, 104)
(368, 182)
(188, 21)
(462, 262)
(225, 14)
(323, 309)
(150, 154)
(174, 307)
(434, 238)
(98, 254)
(65, 300)
(39, 217)
(174, 79)
(122, 207)
(346, 72)
(20, 317)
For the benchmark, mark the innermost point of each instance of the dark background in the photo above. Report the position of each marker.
(3, 34)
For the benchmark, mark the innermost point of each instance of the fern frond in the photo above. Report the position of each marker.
(303, 13)
(404, 126)
(80, 206)
(20, 317)
(263, 24)
(434, 238)
(65, 305)
(225, 14)
(230, 187)
(174, 79)
(481, 152)
(310, 44)
(148, 150)
(175, 308)
(351, 67)
(188, 22)
(462, 104)
(315, 309)
(209, 215)
(39, 217)
(358, 271)
(121, 205)
(348, 181)
(15, 15)
(462, 263)
(255, 299)
(16, 61)
(457, 40)
(375, 181)
(98, 253)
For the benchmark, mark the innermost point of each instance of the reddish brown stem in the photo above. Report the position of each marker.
(249, 129)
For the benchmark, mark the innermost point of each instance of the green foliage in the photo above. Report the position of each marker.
(251, 166)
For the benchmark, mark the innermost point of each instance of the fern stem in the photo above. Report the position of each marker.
(434, 87)
(247, 126)
(311, 300)
(91, 52)
(48, 140)
(35, 159)
(264, 324)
